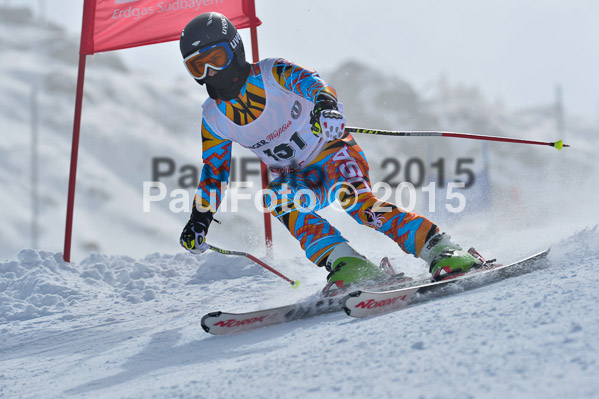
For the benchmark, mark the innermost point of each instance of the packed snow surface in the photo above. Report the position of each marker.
(115, 326)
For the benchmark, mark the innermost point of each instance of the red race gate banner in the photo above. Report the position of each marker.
(117, 24)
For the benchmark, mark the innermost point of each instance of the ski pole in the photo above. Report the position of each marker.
(557, 144)
(294, 283)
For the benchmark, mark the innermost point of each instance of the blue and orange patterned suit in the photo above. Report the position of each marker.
(271, 117)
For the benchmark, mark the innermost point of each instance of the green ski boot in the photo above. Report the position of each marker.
(447, 260)
(346, 267)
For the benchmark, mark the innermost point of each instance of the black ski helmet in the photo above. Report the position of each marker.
(206, 30)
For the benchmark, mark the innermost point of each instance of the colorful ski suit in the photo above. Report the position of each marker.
(271, 117)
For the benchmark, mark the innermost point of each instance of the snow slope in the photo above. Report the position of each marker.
(125, 124)
(119, 327)
(123, 321)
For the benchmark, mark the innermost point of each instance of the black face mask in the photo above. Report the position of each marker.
(226, 84)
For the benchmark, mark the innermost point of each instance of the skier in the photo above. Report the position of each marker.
(292, 120)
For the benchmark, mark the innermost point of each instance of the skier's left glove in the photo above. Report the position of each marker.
(327, 121)
(193, 237)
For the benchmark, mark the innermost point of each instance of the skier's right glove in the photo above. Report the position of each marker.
(193, 237)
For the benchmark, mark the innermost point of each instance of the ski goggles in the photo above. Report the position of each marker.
(218, 57)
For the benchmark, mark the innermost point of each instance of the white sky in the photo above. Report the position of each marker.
(515, 50)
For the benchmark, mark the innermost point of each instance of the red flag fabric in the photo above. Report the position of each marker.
(117, 24)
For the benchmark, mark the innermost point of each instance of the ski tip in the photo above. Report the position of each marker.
(295, 284)
(203, 323)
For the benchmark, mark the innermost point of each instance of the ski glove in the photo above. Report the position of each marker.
(193, 237)
(326, 120)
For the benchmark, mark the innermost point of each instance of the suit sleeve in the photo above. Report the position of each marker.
(216, 153)
(302, 81)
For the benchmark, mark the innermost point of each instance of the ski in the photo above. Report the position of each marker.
(218, 323)
(363, 303)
